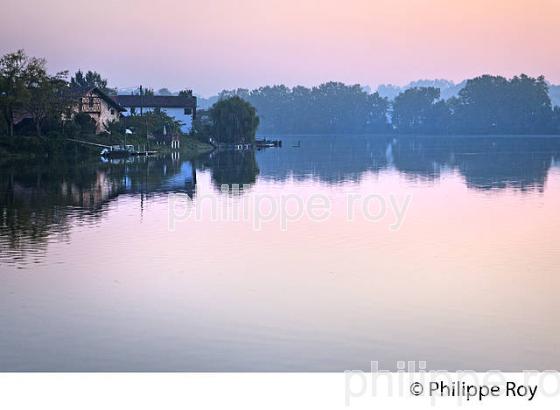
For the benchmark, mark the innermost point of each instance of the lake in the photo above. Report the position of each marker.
(323, 255)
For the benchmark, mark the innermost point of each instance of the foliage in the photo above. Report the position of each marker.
(152, 122)
(329, 108)
(419, 110)
(486, 104)
(202, 127)
(147, 91)
(493, 104)
(47, 101)
(185, 93)
(27, 89)
(234, 121)
(15, 74)
(91, 79)
(85, 124)
(39, 101)
(556, 120)
(164, 91)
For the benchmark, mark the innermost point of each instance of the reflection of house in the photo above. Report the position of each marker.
(98, 105)
(180, 107)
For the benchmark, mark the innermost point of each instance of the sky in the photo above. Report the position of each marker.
(210, 45)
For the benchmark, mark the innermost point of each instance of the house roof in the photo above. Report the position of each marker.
(81, 91)
(161, 101)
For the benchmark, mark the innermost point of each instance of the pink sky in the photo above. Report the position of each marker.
(208, 45)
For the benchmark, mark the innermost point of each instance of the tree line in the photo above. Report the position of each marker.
(486, 105)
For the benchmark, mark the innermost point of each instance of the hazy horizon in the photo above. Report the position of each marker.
(385, 89)
(247, 43)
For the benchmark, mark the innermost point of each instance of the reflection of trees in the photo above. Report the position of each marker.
(33, 199)
(485, 162)
(420, 158)
(24, 232)
(331, 159)
(517, 163)
(232, 167)
(41, 198)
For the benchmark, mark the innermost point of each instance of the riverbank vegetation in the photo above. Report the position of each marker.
(37, 115)
(486, 105)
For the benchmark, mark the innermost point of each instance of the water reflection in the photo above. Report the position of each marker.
(484, 162)
(43, 199)
(232, 168)
(114, 288)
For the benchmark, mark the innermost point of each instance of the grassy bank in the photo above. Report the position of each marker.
(32, 147)
(189, 146)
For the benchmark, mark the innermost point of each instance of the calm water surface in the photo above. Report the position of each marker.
(147, 266)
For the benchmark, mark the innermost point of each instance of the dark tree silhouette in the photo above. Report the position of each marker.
(91, 79)
(329, 108)
(234, 121)
(495, 105)
(420, 110)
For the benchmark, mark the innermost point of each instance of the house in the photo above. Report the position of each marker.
(97, 104)
(90, 100)
(180, 107)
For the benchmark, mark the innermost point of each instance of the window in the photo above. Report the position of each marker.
(90, 102)
(188, 111)
(112, 111)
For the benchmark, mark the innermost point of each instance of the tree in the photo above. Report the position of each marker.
(185, 93)
(27, 89)
(493, 104)
(4, 114)
(419, 109)
(91, 79)
(84, 123)
(14, 77)
(147, 91)
(152, 121)
(328, 108)
(529, 105)
(234, 121)
(164, 91)
(47, 98)
(556, 120)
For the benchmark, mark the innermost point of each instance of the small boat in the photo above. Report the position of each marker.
(118, 151)
(264, 143)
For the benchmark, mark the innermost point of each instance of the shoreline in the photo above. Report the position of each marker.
(21, 148)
